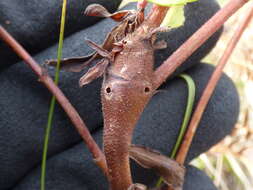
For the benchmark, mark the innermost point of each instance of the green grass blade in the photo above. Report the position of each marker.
(52, 103)
(188, 112)
(187, 116)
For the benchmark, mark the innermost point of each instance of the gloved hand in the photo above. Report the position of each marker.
(24, 102)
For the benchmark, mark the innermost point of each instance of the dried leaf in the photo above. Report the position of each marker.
(96, 10)
(100, 11)
(120, 15)
(76, 64)
(73, 64)
(100, 50)
(94, 72)
(171, 171)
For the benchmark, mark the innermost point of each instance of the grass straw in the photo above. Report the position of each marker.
(234, 165)
(52, 104)
(188, 112)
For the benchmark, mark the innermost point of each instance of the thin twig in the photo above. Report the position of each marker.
(195, 41)
(60, 97)
(53, 101)
(184, 148)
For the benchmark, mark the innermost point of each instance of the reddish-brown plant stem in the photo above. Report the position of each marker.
(184, 148)
(156, 15)
(153, 20)
(60, 97)
(142, 4)
(195, 41)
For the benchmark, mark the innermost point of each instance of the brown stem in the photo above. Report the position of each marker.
(142, 4)
(156, 15)
(62, 100)
(153, 20)
(196, 40)
(184, 148)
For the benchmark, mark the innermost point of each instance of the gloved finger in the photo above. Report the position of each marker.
(24, 108)
(197, 180)
(35, 24)
(162, 117)
(74, 169)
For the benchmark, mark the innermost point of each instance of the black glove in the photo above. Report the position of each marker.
(24, 106)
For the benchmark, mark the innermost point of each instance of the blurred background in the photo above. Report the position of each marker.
(230, 163)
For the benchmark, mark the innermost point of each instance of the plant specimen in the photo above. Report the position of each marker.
(131, 82)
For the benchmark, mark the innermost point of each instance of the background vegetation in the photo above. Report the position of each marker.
(229, 163)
